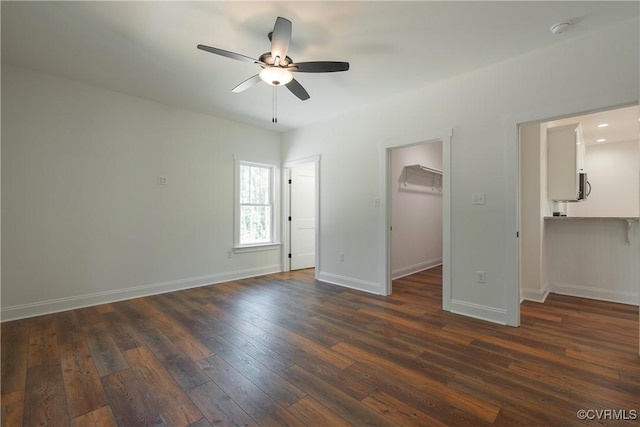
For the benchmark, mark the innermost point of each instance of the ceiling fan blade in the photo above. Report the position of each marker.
(297, 89)
(319, 66)
(250, 82)
(228, 54)
(280, 38)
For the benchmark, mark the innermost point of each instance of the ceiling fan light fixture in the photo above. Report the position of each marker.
(276, 76)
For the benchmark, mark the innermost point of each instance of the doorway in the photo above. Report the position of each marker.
(302, 219)
(416, 208)
(443, 137)
(577, 249)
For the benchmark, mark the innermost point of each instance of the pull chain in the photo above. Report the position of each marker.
(275, 104)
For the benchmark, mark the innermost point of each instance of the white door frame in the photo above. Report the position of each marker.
(385, 202)
(512, 125)
(286, 208)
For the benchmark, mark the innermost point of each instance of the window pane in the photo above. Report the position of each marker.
(255, 224)
(245, 187)
(255, 184)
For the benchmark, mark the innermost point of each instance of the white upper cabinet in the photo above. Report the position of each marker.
(565, 162)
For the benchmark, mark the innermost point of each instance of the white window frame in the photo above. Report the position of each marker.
(274, 202)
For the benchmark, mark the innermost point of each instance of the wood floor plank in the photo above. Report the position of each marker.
(281, 391)
(399, 412)
(461, 400)
(308, 345)
(203, 422)
(88, 316)
(81, 381)
(121, 331)
(501, 345)
(260, 350)
(258, 404)
(44, 399)
(173, 329)
(427, 401)
(130, 404)
(102, 417)
(551, 416)
(106, 355)
(340, 379)
(313, 413)
(174, 405)
(218, 407)
(338, 402)
(12, 408)
(43, 343)
(170, 355)
(15, 350)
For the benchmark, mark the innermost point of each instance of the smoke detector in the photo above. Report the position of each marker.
(560, 27)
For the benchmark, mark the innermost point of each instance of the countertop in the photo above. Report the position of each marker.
(605, 218)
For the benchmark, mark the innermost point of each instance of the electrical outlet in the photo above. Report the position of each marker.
(229, 254)
(341, 256)
(481, 276)
(163, 180)
(477, 199)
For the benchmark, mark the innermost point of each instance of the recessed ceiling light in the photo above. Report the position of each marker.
(601, 140)
(603, 125)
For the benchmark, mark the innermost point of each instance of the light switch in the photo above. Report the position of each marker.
(477, 199)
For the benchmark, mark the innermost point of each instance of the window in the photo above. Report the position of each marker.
(255, 212)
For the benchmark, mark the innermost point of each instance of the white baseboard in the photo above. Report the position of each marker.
(351, 283)
(534, 295)
(63, 304)
(412, 269)
(482, 312)
(622, 297)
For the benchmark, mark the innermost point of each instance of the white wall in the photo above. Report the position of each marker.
(416, 210)
(589, 258)
(612, 170)
(83, 218)
(575, 75)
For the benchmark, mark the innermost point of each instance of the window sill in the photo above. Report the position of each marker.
(256, 247)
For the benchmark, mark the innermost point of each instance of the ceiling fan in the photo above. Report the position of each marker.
(277, 67)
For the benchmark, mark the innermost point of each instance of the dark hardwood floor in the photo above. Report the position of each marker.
(286, 350)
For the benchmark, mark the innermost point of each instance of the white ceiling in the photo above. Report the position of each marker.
(622, 125)
(148, 49)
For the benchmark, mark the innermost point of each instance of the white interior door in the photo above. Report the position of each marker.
(303, 214)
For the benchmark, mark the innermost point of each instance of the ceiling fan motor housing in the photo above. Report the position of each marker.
(270, 60)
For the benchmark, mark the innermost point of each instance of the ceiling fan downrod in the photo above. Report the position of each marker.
(274, 118)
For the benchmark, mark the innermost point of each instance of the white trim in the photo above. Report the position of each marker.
(534, 295)
(385, 213)
(350, 282)
(302, 161)
(22, 311)
(412, 269)
(622, 297)
(256, 248)
(482, 312)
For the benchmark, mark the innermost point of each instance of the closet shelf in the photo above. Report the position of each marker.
(425, 171)
(422, 169)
